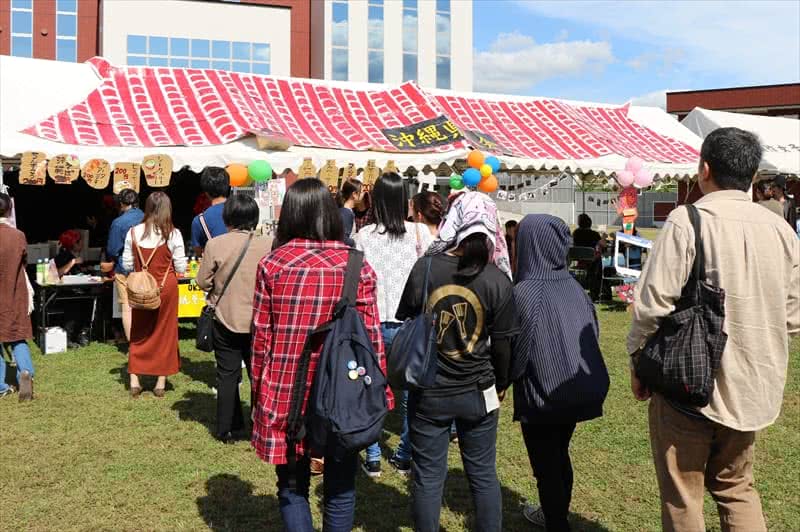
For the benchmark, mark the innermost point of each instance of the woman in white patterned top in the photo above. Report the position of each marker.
(391, 246)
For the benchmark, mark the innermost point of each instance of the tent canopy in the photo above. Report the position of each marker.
(205, 117)
(780, 137)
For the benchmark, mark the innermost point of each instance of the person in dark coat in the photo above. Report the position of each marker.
(566, 380)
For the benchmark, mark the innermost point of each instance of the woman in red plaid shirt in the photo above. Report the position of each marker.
(297, 287)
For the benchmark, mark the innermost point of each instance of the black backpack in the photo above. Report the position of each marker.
(347, 404)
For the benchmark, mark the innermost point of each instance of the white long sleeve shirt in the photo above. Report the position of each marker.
(153, 240)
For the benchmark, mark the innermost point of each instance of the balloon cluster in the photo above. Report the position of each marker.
(241, 175)
(479, 174)
(635, 174)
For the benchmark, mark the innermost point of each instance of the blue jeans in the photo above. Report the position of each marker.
(24, 363)
(339, 492)
(430, 421)
(388, 331)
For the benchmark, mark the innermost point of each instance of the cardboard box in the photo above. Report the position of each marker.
(55, 340)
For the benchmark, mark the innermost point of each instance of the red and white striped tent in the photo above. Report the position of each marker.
(207, 117)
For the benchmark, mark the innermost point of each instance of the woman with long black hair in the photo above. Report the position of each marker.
(297, 288)
(391, 246)
(466, 278)
(351, 193)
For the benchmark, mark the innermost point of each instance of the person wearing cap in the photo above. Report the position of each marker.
(789, 206)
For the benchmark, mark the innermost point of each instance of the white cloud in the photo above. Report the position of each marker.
(749, 41)
(563, 35)
(515, 62)
(652, 99)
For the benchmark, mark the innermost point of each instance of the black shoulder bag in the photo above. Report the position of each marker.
(681, 360)
(412, 360)
(205, 323)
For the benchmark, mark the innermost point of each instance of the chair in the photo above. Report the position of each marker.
(580, 260)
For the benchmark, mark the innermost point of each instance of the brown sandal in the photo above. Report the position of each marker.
(136, 391)
(159, 392)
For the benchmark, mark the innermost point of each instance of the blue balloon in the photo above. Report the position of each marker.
(471, 177)
(494, 162)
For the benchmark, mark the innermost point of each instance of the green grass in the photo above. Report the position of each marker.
(83, 456)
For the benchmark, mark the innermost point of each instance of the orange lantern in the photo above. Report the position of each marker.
(488, 184)
(475, 159)
(237, 174)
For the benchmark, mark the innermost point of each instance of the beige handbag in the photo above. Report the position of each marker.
(144, 292)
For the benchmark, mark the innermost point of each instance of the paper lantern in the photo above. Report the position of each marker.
(471, 177)
(260, 171)
(488, 185)
(486, 170)
(456, 182)
(237, 174)
(475, 159)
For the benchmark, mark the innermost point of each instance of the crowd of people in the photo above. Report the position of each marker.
(507, 312)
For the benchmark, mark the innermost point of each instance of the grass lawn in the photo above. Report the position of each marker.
(83, 456)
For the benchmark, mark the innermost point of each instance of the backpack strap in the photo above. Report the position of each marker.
(352, 276)
(428, 261)
(205, 227)
(145, 263)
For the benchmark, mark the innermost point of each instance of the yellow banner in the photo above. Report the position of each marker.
(190, 300)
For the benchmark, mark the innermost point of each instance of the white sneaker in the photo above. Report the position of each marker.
(534, 514)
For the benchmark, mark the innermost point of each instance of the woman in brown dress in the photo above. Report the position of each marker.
(154, 333)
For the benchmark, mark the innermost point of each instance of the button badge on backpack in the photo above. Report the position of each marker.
(367, 380)
(361, 371)
(352, 365)
(352, 375)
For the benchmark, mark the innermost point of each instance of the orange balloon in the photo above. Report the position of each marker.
(237, 174)
(475, 159)
(488, 184)
(486, 170)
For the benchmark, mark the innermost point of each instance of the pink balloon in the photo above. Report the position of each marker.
(634, 164)
(643, 178)
(625, 178)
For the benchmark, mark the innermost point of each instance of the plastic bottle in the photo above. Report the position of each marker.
(40, 272)
(193, 268)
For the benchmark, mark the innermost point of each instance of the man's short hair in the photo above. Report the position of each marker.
(733, 155)
(763, 186)
(584, 221)
(128, 196)
(779, 182)
(214, 181)
(5, 205)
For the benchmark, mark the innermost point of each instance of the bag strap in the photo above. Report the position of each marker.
(205, 227)
(699, 266)
(428, 261)
(352, 276)
(145, 264)
(242, 253)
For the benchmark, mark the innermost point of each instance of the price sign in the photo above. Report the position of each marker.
(96, 172)
(64, 169)
(191, 300)
(157, 170)
(126, 175)
(33, 168)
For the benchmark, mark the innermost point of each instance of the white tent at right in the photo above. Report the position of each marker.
(780, 137)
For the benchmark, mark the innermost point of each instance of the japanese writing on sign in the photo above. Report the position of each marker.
(64, 169)
(33, 168)
(191, 300)
(157, 170)
(785, 148)
(424, 135)
(484, 141)
(96, 173)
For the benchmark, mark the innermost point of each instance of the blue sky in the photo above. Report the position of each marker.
(617, 51)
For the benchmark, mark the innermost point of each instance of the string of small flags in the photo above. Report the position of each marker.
(526, 195)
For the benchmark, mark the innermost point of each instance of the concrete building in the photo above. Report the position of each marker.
(378, 41)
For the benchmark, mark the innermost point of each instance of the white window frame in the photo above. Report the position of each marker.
(18, 34)
(169, 57)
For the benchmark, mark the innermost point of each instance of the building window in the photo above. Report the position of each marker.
(182, 52)
(375, 41)
(443, 44)
(339, 41)
(22, 28)
(67, 30)
(410, 40)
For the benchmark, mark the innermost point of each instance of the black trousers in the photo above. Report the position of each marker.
(230, 350)
(548, 451)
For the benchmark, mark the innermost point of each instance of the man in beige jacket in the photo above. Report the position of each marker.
(755, 257)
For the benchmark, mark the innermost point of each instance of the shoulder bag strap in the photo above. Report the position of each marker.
(235, 266)
(428, 261)
(205, 227)
(699, 266)
(169, 264)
